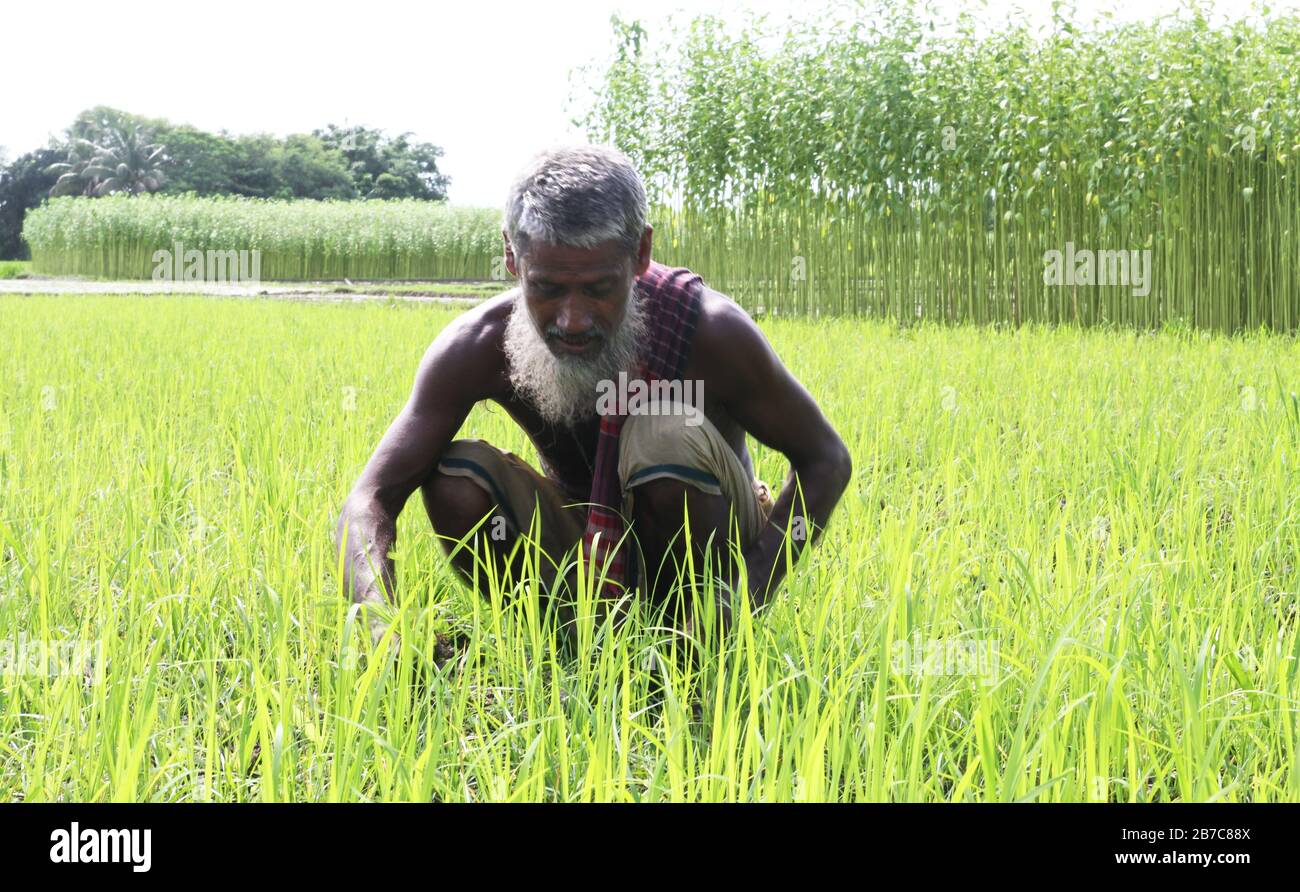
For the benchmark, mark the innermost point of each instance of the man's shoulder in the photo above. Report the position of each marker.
(470, 347)
(480, 328)
(723, 324)
(728, 346)
(490, 315)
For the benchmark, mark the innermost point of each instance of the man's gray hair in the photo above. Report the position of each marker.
(579, 196)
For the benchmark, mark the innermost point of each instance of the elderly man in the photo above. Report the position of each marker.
(635, 382)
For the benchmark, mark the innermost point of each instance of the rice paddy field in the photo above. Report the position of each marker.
(1107, 518)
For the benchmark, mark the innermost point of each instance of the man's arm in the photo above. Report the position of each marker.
(771, 405)
(452, 377)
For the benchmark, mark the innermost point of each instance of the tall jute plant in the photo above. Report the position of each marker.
(118, 236)
(865, 163)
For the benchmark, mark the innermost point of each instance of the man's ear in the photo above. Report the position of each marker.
(643, 251)
(511, 265)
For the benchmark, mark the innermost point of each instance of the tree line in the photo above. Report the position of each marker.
(107, 151)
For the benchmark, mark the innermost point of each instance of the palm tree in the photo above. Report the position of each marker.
(124, 162)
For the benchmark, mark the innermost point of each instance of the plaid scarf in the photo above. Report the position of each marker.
(671, 299)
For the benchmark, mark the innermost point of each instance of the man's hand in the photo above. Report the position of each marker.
(455, 373)
(758, 391)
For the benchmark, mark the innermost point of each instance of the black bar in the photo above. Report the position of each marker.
(372, 840)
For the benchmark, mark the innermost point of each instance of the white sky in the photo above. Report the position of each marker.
(485, 80)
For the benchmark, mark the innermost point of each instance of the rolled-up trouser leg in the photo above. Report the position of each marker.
(524, 500)
(681, 444)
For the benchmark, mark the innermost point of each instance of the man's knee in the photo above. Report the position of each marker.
(456, 495)
(455, 504)
(660, 501)
(668, 503)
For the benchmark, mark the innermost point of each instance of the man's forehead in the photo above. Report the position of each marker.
(573, 270)
(546, 261)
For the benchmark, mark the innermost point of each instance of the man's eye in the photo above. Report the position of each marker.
(601, 290)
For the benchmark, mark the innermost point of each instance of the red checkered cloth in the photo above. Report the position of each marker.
(671, 297)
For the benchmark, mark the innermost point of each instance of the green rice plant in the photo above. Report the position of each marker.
(860, 161)
(116, 237)
(1120, 538)
(14, 269)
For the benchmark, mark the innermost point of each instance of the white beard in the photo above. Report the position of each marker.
(563, 389)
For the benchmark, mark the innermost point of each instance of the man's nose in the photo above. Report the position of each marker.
(573, 319)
